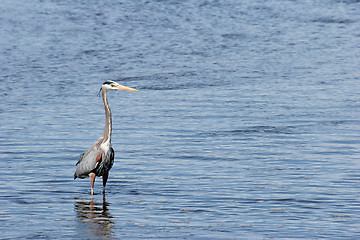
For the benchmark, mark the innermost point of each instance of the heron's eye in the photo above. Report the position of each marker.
(112, 85)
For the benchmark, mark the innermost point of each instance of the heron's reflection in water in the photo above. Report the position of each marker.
(96, 217)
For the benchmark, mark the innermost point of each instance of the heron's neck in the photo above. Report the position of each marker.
(108, 123)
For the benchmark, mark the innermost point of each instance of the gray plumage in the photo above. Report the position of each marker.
(96, 161)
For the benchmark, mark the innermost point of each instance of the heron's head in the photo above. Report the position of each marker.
(111, 85)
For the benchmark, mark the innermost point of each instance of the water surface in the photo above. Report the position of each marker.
(246, 124)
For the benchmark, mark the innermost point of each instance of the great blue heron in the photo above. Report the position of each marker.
(98, 159)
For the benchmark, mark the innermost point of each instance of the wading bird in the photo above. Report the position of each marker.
(98, 159)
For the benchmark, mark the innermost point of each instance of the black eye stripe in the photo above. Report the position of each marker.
(108, 83)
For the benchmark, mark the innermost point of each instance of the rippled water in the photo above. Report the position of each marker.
(246, 125)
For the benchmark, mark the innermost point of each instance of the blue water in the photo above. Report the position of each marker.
(246, 124)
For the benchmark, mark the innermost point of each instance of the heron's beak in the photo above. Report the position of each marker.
(121, 87)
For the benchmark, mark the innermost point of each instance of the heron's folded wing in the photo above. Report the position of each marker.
(87, 163)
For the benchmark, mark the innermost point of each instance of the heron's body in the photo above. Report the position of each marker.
(98, 159)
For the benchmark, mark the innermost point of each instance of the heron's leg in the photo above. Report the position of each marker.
(92, 180)
(105, 178)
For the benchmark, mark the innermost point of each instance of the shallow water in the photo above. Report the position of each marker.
(246, 125)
